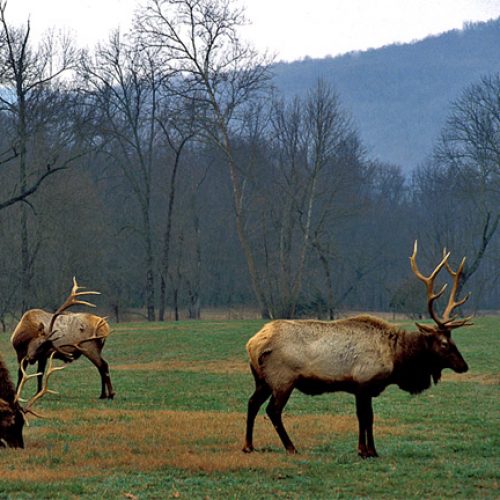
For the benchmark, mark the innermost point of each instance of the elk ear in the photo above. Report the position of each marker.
(425, 328)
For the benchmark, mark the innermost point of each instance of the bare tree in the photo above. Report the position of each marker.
(468, 154)
(201, 43)
(316, 155)
(177, 120)
(33, 102)
(124, 83)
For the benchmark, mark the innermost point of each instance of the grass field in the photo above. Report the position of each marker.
(175, 429)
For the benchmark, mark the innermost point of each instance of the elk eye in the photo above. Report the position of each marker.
(445, 344)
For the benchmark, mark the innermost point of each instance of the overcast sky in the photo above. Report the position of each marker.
(290, 29)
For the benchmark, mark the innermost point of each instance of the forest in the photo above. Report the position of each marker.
(166, 169)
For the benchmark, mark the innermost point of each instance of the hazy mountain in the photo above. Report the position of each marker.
(399, 95)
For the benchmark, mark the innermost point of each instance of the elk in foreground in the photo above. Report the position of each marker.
(360, 355)
(40, 333)
(12, 414)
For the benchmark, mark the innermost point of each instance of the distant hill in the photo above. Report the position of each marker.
(399, 95)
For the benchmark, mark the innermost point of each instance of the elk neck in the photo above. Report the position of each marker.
(414, 364)
(7, 391)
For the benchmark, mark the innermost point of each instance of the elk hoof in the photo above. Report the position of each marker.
(292, 451)
(367, 454)
(248, 449)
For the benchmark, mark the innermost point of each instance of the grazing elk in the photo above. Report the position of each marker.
(12, 413)
(360, 355)
(40, 333)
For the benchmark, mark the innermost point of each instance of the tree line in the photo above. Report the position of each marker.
(165, 169)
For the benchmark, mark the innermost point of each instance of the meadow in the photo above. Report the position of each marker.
(175, 428)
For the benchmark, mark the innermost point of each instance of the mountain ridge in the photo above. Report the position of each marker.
(400, 95)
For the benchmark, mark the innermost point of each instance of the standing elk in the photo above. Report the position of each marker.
(360, 355)
(12, 414)
(40, 333)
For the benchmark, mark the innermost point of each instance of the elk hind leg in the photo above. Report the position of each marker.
(274, 410)
(103, 367)
(262, 392)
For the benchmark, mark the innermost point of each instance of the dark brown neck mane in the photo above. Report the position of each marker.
(414, 367)
(7, 391)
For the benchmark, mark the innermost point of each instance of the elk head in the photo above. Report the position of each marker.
(13, 415)
(445, 352)
(11, 424)
(43, 344)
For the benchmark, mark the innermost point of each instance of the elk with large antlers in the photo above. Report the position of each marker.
(40, 333)
(12, 413)
(360, 355)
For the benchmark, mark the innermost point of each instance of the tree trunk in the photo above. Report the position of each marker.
(166, 240)
(240, 225)
(176, 304)
(116, 312)
(329, 287)
(150, 280)
(25, 256)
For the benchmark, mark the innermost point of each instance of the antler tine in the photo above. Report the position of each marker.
(452, 302)
(45, 389)
(429, 282)
(72, 300)
(24, 379)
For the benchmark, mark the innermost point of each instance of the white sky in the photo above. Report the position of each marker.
(290, 29)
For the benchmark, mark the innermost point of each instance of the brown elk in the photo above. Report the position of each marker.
(360, 355)
(40, 333)
(12, 414)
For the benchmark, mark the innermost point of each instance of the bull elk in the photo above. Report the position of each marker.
(40, 333)
(361, 355)
(13, 415)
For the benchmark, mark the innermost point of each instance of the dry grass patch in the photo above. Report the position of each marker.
(97, 442)
(479, 378)
(219, 366)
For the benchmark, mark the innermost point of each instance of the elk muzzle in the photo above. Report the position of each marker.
(456, 361)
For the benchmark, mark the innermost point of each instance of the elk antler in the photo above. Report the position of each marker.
(72, 300)
(444, 323)
(44, 390)
(24, 379)
(451, 322)
(429, 282)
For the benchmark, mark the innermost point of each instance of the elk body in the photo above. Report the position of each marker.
(360, 355)
(39, 334)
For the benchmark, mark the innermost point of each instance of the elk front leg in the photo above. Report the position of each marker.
(23, 364)
(262, 392)
(274, 410)
(364, 412)
(42, 363)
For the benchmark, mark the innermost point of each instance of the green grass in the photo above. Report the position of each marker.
(176, 427)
